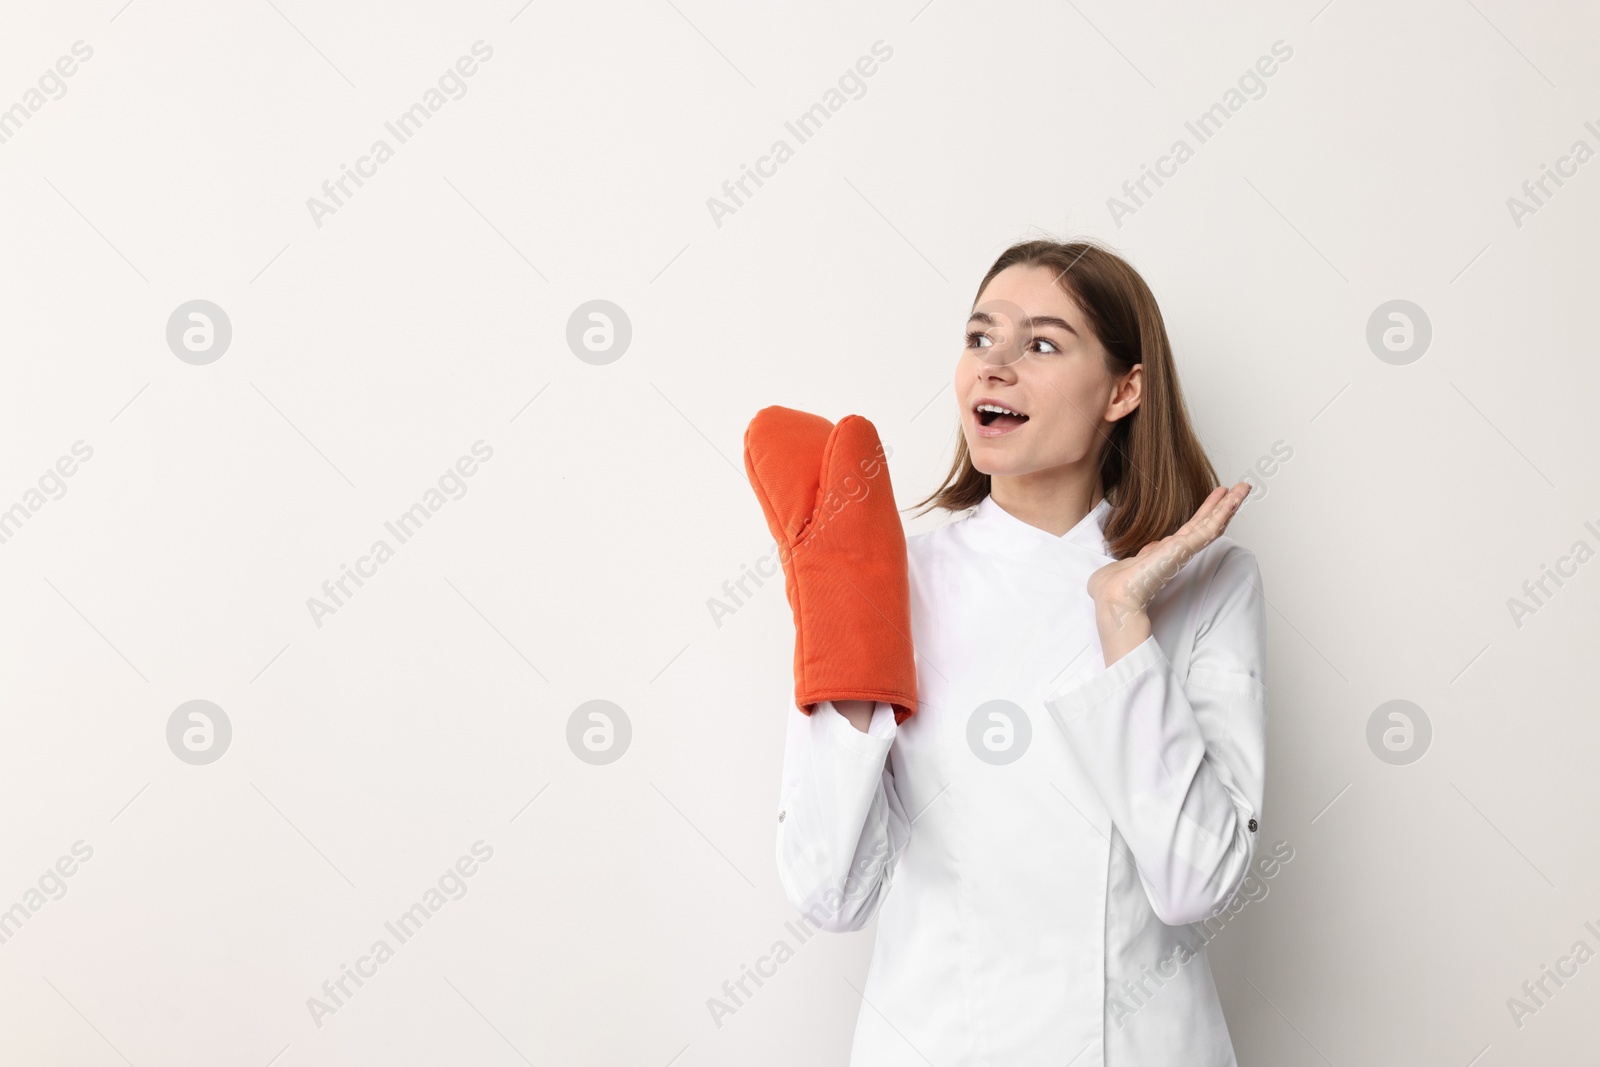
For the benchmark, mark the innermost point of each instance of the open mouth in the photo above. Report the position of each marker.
(999, 417)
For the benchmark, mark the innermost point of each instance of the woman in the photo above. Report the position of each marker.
(1068, 775)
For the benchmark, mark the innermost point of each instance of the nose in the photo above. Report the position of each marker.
(1003, 373)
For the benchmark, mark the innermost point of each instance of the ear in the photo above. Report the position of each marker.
(1127, 394)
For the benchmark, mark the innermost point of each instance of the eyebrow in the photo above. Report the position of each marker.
(1035, 322)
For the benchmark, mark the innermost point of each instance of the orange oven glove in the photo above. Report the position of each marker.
(826, 495)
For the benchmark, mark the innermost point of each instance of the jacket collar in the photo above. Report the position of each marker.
(999, 527)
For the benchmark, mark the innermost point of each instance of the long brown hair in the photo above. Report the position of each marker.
(1153, 472)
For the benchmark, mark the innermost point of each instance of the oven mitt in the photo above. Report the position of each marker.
(826, 495)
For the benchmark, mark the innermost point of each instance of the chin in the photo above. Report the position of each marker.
(987, 465)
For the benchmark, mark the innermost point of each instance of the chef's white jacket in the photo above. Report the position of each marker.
(1039, 911)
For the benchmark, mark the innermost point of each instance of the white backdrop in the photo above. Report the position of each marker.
(179, 511)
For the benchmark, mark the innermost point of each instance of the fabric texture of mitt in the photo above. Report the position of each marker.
(826, 494)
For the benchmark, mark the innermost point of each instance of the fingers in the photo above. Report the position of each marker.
(1159, 560)
(1232, 502)
(1213, 516)
(1220, 506)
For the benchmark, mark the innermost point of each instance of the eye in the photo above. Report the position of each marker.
(1042, 345)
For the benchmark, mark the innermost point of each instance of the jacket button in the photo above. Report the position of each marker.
(1252, 821)
(1252, 824)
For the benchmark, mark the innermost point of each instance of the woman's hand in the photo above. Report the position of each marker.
(1124, 588)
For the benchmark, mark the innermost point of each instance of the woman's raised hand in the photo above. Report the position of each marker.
(1124, 588)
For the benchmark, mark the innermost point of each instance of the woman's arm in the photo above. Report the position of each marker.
(858, 712)
(1180, 763)
(841, 826)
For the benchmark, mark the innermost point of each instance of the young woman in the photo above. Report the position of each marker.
(1041, 819)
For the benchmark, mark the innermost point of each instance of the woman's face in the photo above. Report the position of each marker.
(1029, 349)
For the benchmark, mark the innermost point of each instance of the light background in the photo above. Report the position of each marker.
(430, 312)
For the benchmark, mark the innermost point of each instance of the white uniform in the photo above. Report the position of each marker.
(1038, 911)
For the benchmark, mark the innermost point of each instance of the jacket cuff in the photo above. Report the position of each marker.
(874, 744)
(1079, 696)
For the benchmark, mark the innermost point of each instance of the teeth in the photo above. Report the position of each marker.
(1001, 410)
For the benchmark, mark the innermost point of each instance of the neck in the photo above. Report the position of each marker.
(1054, 500)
